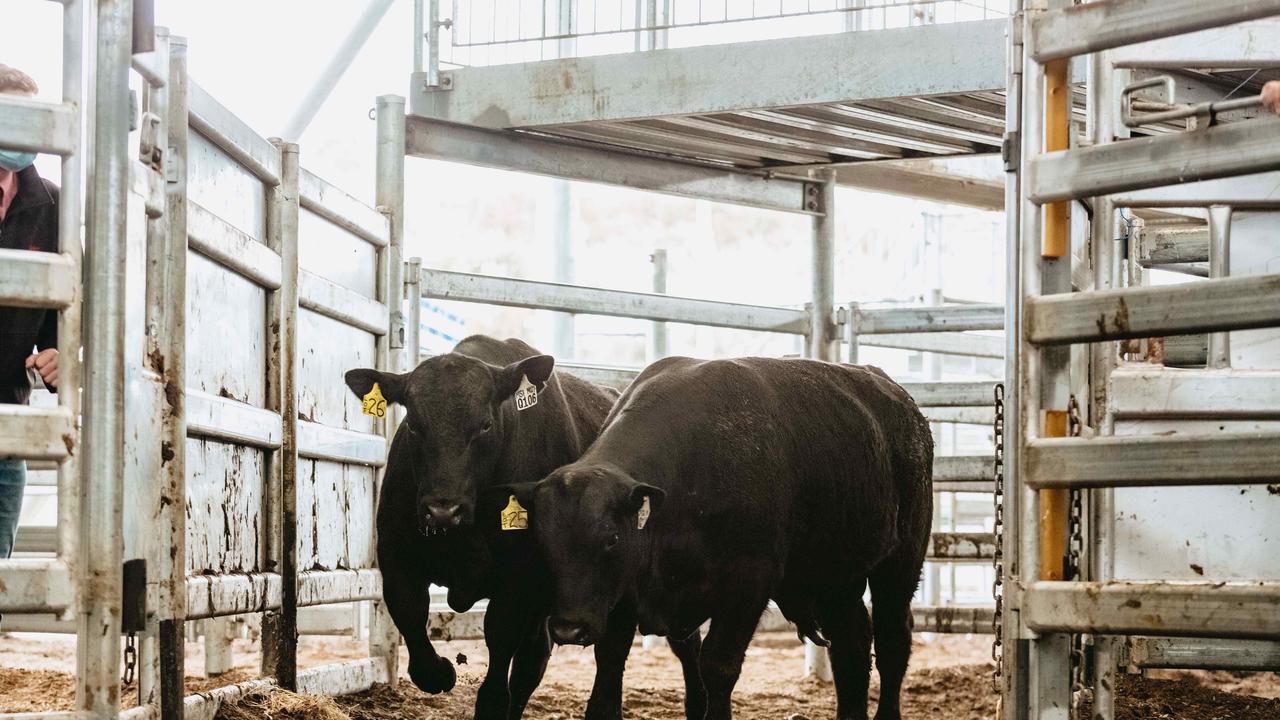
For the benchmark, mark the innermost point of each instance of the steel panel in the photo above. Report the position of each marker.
(219, 184)
(335, 205)
(231, 247)
(229, 420)
(226, 351)
(1144, 392)
(224, 507)
(821, 69)
(1250, 44)
(1226, 304)
(336, 254)
(335, 515)
(327, 349)
(322, 442)
(234, 136)
(336, 302)
(1223, 610)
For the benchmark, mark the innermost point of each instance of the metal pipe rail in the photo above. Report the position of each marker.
(31, 279)
(1201, 653)
(1201, 609)
(1143, 460)
(233, 136)
(226, 595)
(36, 586)
(36, 433)
(960, 547)
(1081, 29)
(340, 208)
(1225, 304)
(38, 127)
(446, 285)
(945, 318)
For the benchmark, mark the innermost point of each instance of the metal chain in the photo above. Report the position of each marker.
(997, 557)
(130, 658)
(1075, 552)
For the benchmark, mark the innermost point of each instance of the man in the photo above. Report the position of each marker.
(28, 337)
(1271, 96)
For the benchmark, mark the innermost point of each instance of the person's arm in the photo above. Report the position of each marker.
(1271, 96)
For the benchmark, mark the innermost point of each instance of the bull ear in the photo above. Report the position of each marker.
(361, 381)
(640, 491)
(537, 368)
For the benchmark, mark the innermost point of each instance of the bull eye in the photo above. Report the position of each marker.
(611, 542)
(484, 428)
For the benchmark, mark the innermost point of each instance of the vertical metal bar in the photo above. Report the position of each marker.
(102, 441)
(658, 330)
(433, 43)
(562, 254)
(822, 343)
(413, 287)
(851, 320)
(1219, 267)
(389, 196)
(69, 325)
(417, 35)
(283, 206)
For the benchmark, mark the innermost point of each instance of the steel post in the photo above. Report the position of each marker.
(1220, 267)
(562, 254)
(389, 197)
(413, 293)
(658, 330)
(823, 344)
(102, 438)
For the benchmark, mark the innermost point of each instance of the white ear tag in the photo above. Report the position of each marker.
(642, 517)
(526, 395)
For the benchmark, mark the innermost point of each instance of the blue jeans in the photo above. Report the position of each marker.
(13, 481)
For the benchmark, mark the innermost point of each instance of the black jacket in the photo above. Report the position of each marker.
(30, 224)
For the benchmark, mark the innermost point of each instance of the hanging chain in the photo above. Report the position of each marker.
(997, 557)
(1075, 553)
(130, 658)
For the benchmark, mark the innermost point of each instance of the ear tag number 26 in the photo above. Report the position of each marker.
(526, 395)
(374, 404)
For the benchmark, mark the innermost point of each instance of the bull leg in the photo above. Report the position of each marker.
(891, 616)
(695, 695)
(528, 667)
(611, 660)
(847, 627)
(720, 662)
(505, 625)
(404, 591)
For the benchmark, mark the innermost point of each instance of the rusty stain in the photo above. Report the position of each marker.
(1197, 569)
(166, 454)
(156, 359)
(1132, 603)
(568, 80)
(70, 441)
(1274, 489)
(172, 393)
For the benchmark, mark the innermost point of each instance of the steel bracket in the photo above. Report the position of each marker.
(133, 613)
(1010, 151)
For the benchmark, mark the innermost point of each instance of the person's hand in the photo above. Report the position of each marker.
(1271, 96)
(45, 362)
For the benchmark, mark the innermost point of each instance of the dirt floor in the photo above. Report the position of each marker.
(950, 678)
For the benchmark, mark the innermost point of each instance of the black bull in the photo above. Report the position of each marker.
(438, 522)
(716, 486)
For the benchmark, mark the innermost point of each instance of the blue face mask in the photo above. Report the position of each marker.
(14, 160)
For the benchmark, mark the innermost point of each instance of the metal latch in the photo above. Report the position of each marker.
(133, 611)
(1010, 150)
(150, 147)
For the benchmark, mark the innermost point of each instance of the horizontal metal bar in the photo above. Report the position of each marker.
(36, 433)
(321, 442)
(1242, 45)
(1081, 29)
(35, 586)
(1153, 393)
(1222, 609)
(967, 344)
(49, 715)
(1258, 191)
(1201, 654)
(1210, 305)
(1250, 146)
(1154, 460)
(329, 587)
(952, 394)
(145, 65)
(224, 595)
(36, 539)
(521, 152)
(446, 285)
(1186, 351)
(1170, 245)
(811, 70)
(330, 299)
(948, 318)
(343, 678)
(609, 376)
(952, 619)
(335, 205)
(233, 136)
(231, 421)
(37, 127)
(961, 546)
(962, 467)
(232, 248)
(960, 415)
(39, 623)
(32, 279)
(926, 180)
(978, 486)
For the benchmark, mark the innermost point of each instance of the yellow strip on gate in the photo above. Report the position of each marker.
(1053, 510)
(1057, 134)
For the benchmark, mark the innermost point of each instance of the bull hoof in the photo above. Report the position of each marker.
(433, 676)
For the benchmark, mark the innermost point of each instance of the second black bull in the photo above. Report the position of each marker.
(716, 486)
(438, 523)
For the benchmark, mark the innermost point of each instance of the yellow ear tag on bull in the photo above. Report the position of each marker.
(374, 404)
(514, 516)
(527, 395)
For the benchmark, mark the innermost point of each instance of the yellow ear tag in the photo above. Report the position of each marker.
(514, 517)
(374, 404)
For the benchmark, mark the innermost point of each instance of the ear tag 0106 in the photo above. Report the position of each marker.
(527, 395)
(374, 404)
(514, 516)
(642, 517)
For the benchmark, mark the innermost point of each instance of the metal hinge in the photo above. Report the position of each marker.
(1010, 150)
